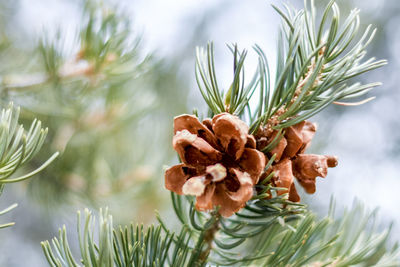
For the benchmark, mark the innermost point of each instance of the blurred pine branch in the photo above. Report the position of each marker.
(96, 93)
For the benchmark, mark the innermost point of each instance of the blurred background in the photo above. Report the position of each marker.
(110, 109)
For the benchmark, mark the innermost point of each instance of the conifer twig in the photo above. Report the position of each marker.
(208, 238)
(17, 147)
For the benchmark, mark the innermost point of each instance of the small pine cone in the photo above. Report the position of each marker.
(220, 164)
(306, 168)
(290, 161)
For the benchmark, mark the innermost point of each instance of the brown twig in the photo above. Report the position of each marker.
(208, 237)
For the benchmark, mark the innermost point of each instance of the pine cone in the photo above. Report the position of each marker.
(220, 162)
(307, 167)
(290, 161)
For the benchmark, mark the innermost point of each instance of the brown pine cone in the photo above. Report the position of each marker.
(220, 162)
(290, 161)
(306, 168)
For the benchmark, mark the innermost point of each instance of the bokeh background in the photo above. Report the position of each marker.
(115, 138)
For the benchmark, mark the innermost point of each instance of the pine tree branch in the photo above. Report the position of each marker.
(120, 247)
(315, 65)
(104, 52)
(90, 93)
(205, 241)
(350, 240)
(17, 147)
(215, 236)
